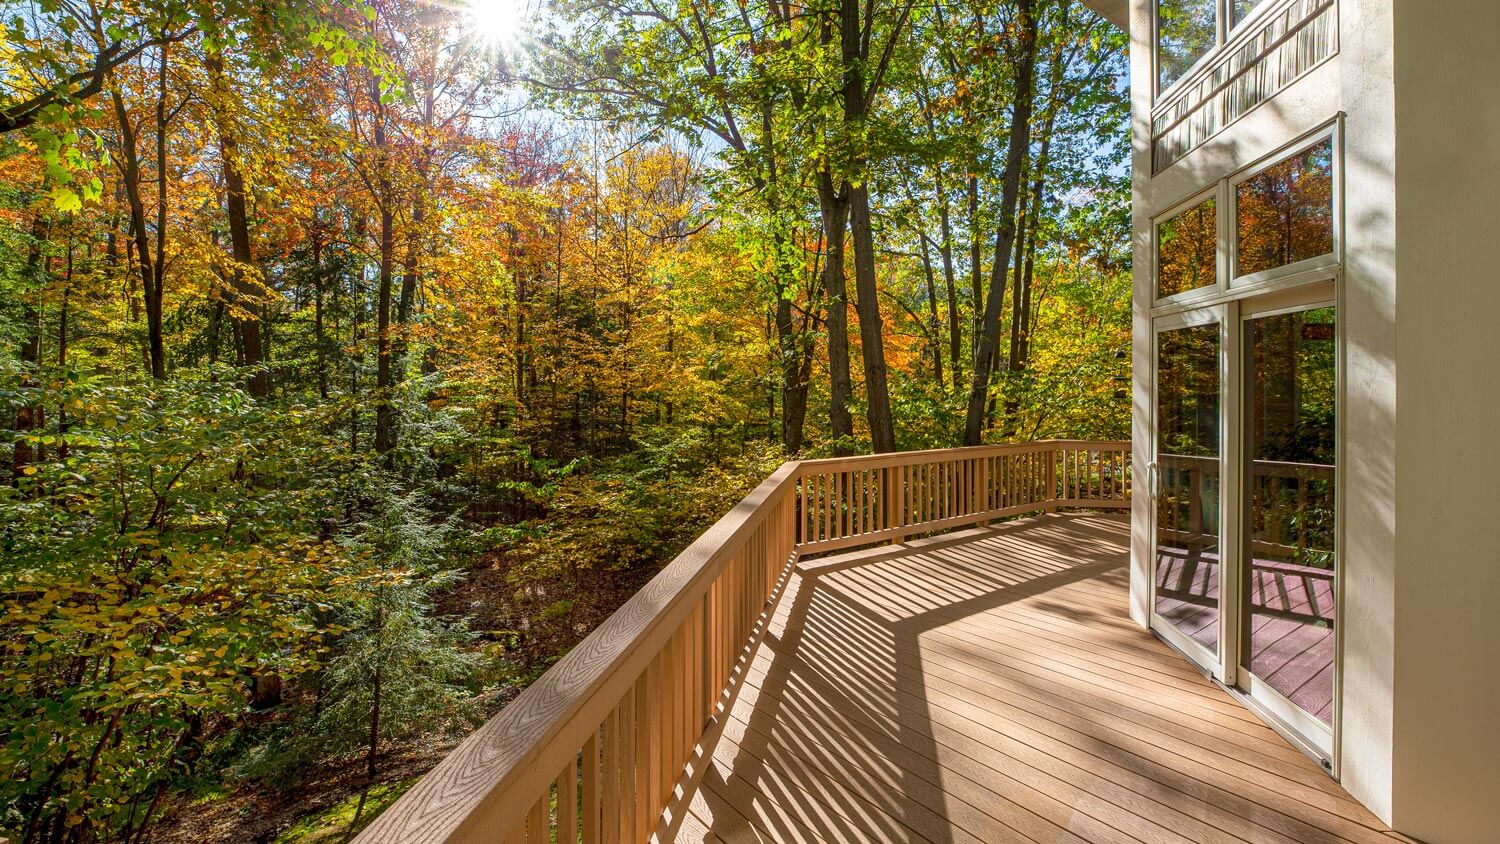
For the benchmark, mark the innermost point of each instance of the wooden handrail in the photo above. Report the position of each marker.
(592, 748)
(849, 501)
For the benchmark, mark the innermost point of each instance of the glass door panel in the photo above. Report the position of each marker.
(1289, 581)
(1187, 482)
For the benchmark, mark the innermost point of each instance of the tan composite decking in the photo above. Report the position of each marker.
(989, 687)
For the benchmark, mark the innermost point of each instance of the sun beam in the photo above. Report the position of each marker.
(499, 23)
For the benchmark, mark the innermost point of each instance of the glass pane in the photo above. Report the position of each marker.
(1185, 30)
(1185, 256)
(1187, 505)
(1289, 622)
(1285, 214)
(1241, 9)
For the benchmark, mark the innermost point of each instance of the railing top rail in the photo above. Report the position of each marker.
(903, 458)
(492, 775)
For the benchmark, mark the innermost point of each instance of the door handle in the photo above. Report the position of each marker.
(1153, 476)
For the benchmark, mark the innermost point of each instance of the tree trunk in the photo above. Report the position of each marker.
(1033, 203)
(244, 293)
(871, 327)
(793, 385)
(867, 301)
(62, 347)
(30, 416)
(1016, 147)
(320, 340)
(130, 180)
(835, 211)
(934, 331)
(412, 275)
(385, 410)
(955, 332)
(976, 266)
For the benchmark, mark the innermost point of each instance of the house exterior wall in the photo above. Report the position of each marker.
(1415, 90)
(1446, 782)
(1368, 405)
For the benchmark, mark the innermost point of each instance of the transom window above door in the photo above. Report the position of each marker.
(1273, 224)
(1284, 213)
(1187, 30)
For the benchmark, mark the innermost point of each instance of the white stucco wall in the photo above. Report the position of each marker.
(1446, 785)
(1140, 355)
(1367, 311)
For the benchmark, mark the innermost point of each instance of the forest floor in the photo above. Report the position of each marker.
(318, 807)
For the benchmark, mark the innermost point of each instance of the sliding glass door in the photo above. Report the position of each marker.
(1185, 481)
(1242, 481)
(1243, 428)
(1288, 577)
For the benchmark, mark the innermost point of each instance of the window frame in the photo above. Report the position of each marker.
(1307, 268)
(1225, 34)
(1187, 297)
(1292, 276)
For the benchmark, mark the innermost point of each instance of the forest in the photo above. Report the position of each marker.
(359, 357)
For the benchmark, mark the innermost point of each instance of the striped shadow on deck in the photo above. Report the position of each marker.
(987, 686)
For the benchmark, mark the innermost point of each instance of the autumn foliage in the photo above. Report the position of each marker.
(352, 368)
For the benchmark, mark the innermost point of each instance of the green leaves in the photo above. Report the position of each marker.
(149, 575)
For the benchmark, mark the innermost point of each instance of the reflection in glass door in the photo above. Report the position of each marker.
(1187, 483)
(1289, 581)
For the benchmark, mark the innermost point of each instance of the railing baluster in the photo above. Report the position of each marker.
(646, 763)
(567, 804)
(609, 821)
(591, 796)
(627, 766)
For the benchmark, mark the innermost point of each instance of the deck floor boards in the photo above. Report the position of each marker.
(990, 689)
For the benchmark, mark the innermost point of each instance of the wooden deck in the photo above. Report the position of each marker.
(988, 687)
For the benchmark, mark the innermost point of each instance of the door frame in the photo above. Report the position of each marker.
(1322, 739)
(1212, 663)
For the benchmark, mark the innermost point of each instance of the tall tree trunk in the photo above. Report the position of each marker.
(245, 315)
(151, 293)
(385, 409)
(793, 385)
(30, 416)
(411, 278)
(871, 326)
(1016, 147)
(955, 332)
(976, 265)
(62, 345)
(835, 211)
(934, 330)
(1033, 204)
(1024, 221)
(320, 340)
(867, 301)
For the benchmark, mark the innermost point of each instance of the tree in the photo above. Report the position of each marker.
(1023, 50)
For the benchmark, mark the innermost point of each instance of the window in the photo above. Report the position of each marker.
(1284, 214)
(1186, 254)
(1185, 31)
(1241, 9)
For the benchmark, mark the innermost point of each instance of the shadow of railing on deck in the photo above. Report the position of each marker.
(842, 735)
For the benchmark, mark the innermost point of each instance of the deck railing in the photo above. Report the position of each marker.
(592, 749)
